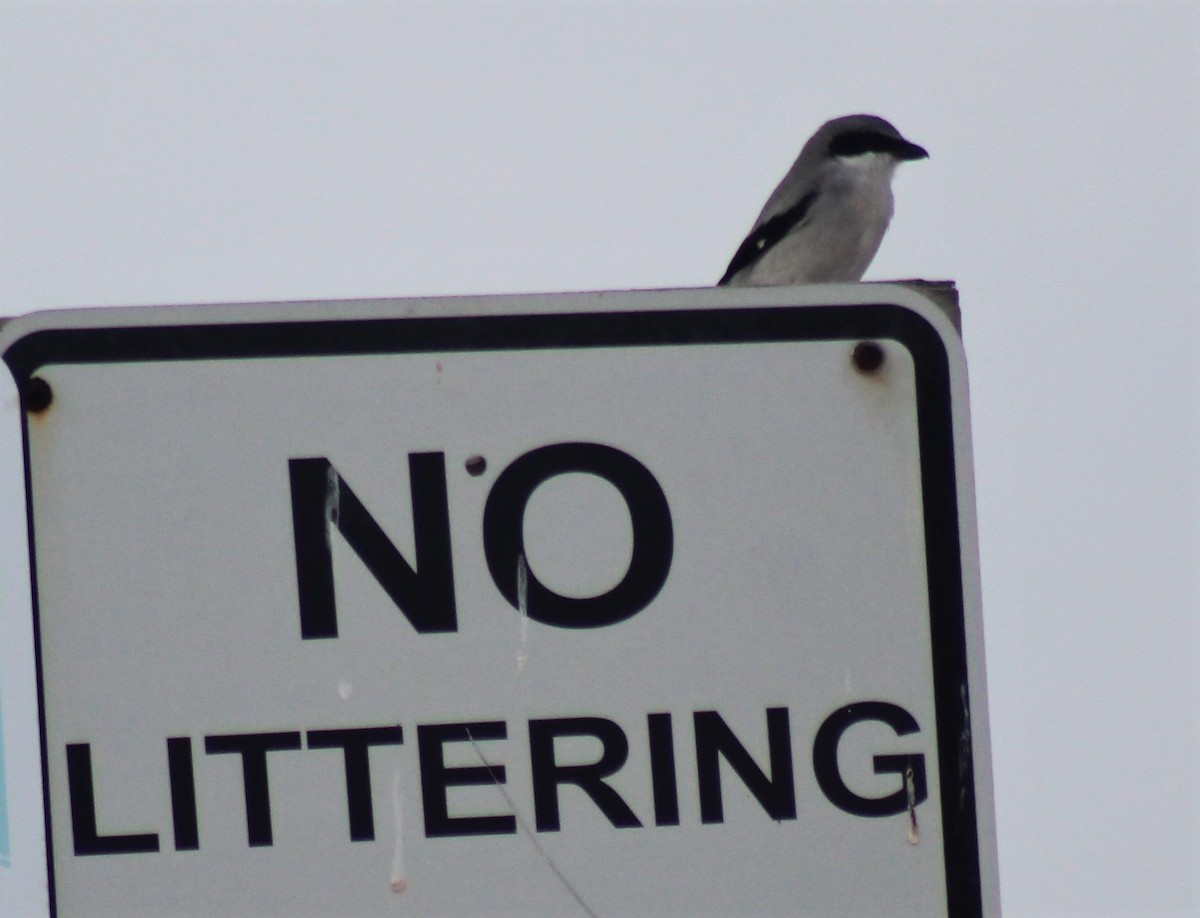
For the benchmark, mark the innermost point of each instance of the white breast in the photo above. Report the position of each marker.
(843, 231)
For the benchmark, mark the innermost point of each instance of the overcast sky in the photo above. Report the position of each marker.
(188, 152)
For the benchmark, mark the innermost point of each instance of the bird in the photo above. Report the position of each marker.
(825, 220)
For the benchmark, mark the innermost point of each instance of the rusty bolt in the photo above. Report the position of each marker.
(867, 356)
(36, 395)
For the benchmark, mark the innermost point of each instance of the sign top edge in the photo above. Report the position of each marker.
(907, 297)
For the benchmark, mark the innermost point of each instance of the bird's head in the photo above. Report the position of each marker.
(856, 135)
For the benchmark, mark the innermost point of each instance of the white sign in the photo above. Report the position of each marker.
(602, 604)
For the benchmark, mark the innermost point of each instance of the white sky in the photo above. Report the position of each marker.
(181, 152)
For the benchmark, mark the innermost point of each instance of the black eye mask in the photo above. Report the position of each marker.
(855, 143)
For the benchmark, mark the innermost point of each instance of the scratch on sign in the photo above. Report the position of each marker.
(527, 831)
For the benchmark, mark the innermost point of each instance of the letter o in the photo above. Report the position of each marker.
(649, 514)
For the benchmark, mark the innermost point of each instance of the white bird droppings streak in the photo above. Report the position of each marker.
(398, 883)
(333, 500)
(914, 837)
(523, 608)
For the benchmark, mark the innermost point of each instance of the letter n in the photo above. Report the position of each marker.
(714, 740)
(322, 501)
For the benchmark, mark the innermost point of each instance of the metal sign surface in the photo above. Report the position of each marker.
(610, 604)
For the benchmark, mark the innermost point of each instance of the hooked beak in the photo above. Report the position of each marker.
(907, 151)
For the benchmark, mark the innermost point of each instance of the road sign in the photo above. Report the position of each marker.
(609, 604)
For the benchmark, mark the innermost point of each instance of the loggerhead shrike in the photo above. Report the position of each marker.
(825, 220)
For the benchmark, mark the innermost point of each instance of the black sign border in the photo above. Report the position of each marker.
(560, 331)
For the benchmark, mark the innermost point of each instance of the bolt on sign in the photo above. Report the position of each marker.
(594, 604)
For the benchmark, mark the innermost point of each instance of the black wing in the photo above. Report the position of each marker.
(763, 239)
